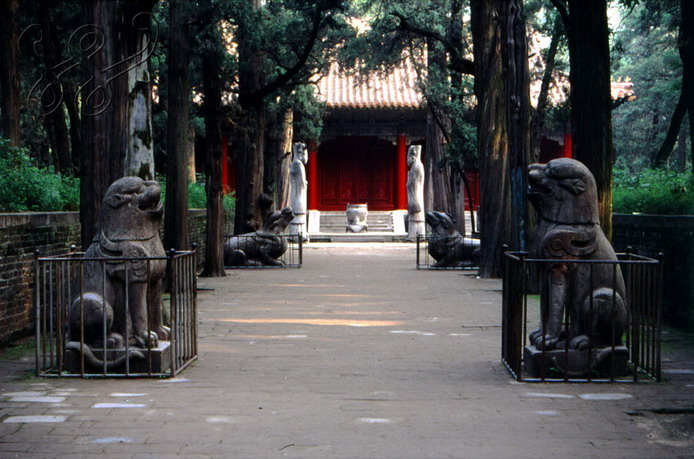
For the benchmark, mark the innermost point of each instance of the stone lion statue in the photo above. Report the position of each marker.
(263, 247)
(564, 195)
(129, 221)
(446, 245)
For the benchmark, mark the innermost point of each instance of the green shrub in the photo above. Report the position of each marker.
(657, 192)
(26, 187)
(197, 195)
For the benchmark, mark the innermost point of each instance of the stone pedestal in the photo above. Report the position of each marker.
(160, 355)
(298, 226)
(314, 221)
(575, 364)
(399, 219)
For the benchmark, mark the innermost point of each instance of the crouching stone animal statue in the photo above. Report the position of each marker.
(263, 247)
(564, 195)
(446, 245)
(122, 299)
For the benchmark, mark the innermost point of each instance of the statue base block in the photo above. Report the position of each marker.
(160, 357)
(598, 363)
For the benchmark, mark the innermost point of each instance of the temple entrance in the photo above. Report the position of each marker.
(356, 170)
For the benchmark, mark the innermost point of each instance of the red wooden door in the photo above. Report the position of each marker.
(355, 170)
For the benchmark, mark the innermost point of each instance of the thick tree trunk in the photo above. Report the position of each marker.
(250, 154)
(492, 137)
(681, 164)
(212, 90)
(9, 72)
(538, 118)
(54, 97)
(437, 176)
(176, 215)
(104, 99)
(591, 100)
(139, 160)
(516, 81)
(283, 158)
(104, 110)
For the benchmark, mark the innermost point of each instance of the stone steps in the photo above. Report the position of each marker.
(336, 222)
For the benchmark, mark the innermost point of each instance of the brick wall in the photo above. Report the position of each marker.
(20, 235)
(674, 236)
(52, 233)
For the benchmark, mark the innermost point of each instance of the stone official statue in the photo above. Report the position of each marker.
(415, 193)
(298, 187)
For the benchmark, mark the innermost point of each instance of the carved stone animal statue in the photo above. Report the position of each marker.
(564, 195)
(446, 245)
(127, 295)
(263, 247)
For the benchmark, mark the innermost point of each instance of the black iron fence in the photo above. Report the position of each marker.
(451, 252)
(631, 357)
(65, 318)
(253, 251)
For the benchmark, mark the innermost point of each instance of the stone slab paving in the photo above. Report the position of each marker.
(357, 354)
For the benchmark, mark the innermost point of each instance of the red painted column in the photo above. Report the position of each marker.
(312, 176)
(568, 146)
(401, 173)
(226, 186)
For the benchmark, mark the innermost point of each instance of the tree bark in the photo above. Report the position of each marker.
(681, 164)
(9, 72)
(139, 160)
(492, 137)
(212, 90)
(283, 158)
(176, 215)
(54, 96)
(516, 82)
(250, 153)
(538, 119)
(104, 97)
(437, 176)
(591, 101)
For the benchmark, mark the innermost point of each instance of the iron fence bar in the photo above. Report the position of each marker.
(174, 317)
(104, 319)
(37, 311)
(59, 316)
(128, 319)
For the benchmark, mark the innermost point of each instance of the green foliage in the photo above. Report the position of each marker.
(197, 195)
(26, 187)
(657, 192)
(645, 52)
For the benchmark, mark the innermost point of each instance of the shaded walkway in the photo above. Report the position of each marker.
(357, 354)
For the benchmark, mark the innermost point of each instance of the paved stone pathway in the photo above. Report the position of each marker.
(355, 355)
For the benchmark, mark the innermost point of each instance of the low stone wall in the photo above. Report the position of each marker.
(20, 235)
(674, 236)
(52, 233)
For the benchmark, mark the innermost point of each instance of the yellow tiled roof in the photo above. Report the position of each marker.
(397, 89)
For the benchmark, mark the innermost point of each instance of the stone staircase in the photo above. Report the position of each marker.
(336, 222)
(381, 228)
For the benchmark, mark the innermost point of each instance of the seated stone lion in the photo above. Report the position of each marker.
(564, 195)
(446, 245)
(263, 247)
(129, 221)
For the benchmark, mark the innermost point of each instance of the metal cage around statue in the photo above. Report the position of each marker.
(633, 356)
(61, 347)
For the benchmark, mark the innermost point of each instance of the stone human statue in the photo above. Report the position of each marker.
(415, 193)
(298, 187)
